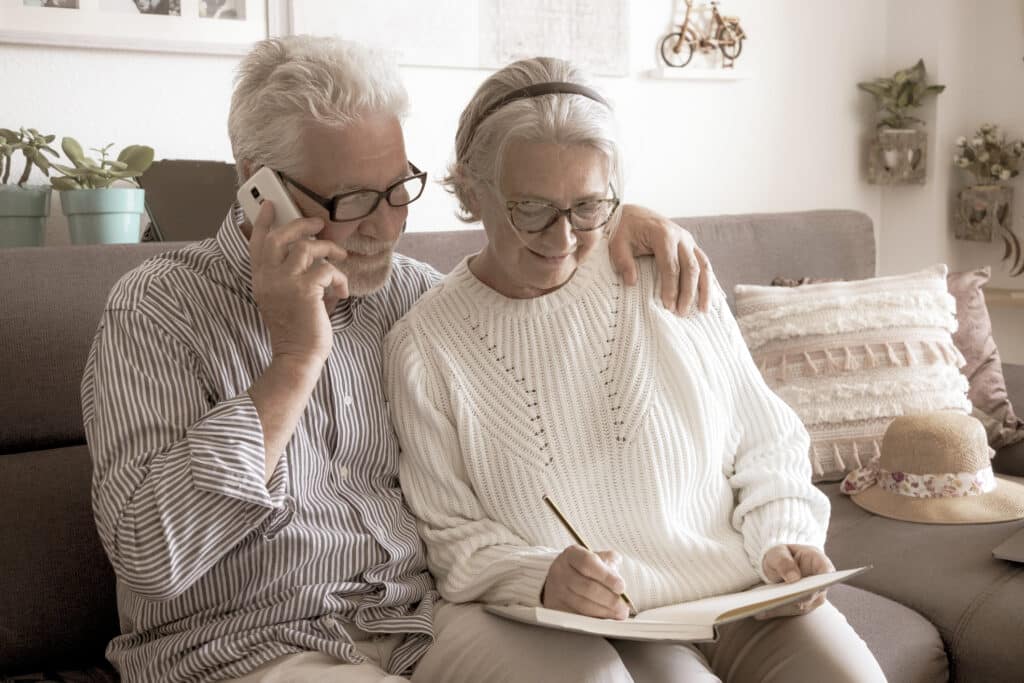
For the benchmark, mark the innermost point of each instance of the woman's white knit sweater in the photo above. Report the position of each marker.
(655, 435)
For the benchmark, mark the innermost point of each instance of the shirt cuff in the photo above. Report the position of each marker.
(228, 458)
(786, 521)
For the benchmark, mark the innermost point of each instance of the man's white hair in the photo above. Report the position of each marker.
(285, 82)
(564, 119)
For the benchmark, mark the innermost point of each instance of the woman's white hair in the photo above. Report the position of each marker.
(564, 119)
(285, 82)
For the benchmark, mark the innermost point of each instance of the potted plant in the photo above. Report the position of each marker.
(23, 208)
(990, 159)
(97, 212)
(898, 152)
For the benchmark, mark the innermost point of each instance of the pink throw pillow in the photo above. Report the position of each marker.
(984, 370)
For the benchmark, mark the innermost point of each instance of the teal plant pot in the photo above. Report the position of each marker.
(107, 216)
(23, 212)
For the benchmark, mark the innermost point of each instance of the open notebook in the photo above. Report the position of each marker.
(1011, 549)
(687, 621)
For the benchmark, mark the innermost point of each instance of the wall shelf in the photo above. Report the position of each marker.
(997, 296)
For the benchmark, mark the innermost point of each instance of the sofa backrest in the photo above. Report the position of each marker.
(51, 298)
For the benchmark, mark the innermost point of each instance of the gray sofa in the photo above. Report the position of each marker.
(936, 603)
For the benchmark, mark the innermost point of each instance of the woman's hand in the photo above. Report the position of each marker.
(683, 269)
(791, 563)
(586, 583)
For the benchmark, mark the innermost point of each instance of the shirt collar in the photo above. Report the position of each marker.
(235, 246)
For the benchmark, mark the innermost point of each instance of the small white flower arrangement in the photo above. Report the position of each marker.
(989, 156)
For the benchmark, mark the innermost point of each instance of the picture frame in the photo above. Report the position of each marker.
(228, 27)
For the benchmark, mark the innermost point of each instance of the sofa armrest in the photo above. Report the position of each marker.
(1010, 460)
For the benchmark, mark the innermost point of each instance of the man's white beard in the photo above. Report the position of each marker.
(367, 274)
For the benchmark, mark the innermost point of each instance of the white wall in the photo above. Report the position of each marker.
(976, 50)
(787, 139)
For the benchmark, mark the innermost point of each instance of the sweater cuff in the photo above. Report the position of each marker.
(784, 521)
(227, 454)
(532, 573)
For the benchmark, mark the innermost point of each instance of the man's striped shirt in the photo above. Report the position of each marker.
(217, 571)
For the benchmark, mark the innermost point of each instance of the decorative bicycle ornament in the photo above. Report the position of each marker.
(718, 33)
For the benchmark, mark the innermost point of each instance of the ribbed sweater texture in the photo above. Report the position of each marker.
(655, 435)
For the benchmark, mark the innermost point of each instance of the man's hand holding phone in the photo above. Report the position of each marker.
(296, 283)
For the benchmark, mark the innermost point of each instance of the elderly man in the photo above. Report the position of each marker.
(245, 470)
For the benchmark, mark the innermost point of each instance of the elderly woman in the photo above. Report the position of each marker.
(530, 371)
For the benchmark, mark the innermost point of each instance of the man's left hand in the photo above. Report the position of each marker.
(683, 269)
(791, 563)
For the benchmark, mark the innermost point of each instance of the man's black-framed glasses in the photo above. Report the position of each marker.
(532, 216)
(350, 206)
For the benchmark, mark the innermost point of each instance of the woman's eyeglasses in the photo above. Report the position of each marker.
(531, 216)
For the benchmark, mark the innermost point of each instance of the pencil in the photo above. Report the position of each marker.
(579, 540)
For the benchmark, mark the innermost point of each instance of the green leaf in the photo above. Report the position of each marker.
(906, 90)
(115, 164)
(137, 157)
(64, 184)
(50, 138)
(73, 151)
(875, 89)
(67, 170)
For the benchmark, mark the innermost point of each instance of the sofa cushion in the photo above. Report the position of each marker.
(850, 356)
(906, 645)
(973, 337)
(946, 573)
(59, 606)
(984, 369)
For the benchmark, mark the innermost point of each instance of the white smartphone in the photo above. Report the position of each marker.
(263, 185)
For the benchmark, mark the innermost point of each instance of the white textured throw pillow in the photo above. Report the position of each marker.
(849, 357)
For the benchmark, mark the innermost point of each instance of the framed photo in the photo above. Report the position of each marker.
(194, 26)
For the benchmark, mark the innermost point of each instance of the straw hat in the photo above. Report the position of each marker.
(934, 468)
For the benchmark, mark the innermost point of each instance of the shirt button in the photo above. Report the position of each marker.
(347, 400)
(343, 472)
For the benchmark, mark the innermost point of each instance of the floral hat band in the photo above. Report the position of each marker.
(939, 485)
(935, 468)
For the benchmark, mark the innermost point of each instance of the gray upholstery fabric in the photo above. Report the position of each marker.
(756, 248)
(1010, 460)
(948, 574)
(51, 301)
(58, 607)
(891, 631)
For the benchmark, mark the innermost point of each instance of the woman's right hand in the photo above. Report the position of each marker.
(586, 583)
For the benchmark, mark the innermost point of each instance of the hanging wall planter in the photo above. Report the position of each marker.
(898, 154)
(985, 208)
(898, 157)
(983, 211)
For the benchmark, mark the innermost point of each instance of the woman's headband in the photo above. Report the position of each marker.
(537, 90)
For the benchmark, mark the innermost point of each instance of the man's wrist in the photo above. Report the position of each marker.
(304, 369)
